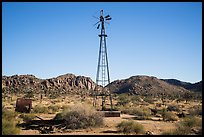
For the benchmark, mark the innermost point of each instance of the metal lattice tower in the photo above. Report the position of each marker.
(102, 76)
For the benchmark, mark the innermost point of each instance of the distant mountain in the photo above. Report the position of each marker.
(70, 83)
(144, 85)
(197, 87)
(64, 83)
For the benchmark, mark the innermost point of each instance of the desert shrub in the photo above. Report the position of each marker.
(64, 107)
(8, 114)
(187, 124)
(9, 123)
(130, 127)
(123, 99)
(135, 99)
(169, 116)
(141, 113)
(191, 122)
(124, 109)
(173, 108)
(9, 127)
(27, 117)
(29, 94)
(196, 110)
(149, 100)
(80, 117)
(40, 109)
(168, 132)
(53, 94)
(178, 131)
(54, 108)
(185, 127)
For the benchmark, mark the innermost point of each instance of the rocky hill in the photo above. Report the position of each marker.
(69, 83)
(197, 87)
(144, 85)
(64, 83)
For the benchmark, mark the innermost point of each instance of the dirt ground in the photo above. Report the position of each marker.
(109, 128)
(156, 127)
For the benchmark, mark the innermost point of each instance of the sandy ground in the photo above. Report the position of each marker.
(109, 128)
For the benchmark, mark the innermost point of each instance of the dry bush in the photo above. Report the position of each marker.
(64, 107)
(149, 100)
(123, 99)
(173, 108)
(53, 109)
(169, 116)
(142, 113)
(168, 132)
(130, 127)
(185, 127)
(191, 122)
(178, 131)
(80, 117)
(40, 109)
(27, 117)
(8, 114)
(196, 110)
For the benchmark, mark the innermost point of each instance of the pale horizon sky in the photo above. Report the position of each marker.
(48, 39)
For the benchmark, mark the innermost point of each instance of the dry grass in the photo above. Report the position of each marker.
(130, 127)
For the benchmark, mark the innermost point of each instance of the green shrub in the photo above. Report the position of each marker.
(64, 107)
(169, 116)
(9, 123)
(178, 131)
(27, 117)
(123, 99)
(9, 127)
(40, 109)
(130, 127)
(54, 108)
(169, 132)
(149, 100)
(196, 110)
(124, 109)
(191, 122)
(141, 113)
(8, 114)
(173, 108)
(185, 126)
(135, 99)
(80, 117)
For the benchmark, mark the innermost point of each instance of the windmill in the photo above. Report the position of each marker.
(102, 76)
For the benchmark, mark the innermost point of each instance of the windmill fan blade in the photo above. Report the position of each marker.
(98, 26)
(107, 16)
(96, 17)
(107, 23)
(96, 23)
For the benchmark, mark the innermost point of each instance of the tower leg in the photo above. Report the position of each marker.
(103, 102)
(111, 103)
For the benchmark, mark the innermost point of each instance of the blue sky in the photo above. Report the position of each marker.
(51, 39)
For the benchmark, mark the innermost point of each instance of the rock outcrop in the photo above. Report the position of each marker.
(63, 83)
(69, 83)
